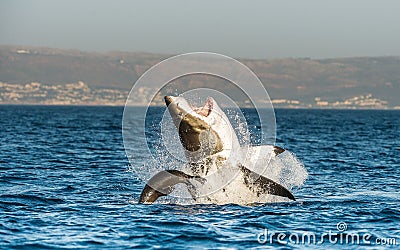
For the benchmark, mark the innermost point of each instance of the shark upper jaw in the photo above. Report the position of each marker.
(179, 107)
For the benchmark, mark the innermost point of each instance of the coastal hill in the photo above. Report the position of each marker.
(369, 82)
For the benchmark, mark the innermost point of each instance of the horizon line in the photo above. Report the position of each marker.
(163, 54)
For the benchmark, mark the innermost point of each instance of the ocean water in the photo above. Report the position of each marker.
(65, 183)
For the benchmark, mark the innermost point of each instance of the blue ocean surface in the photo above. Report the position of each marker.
(65, 182)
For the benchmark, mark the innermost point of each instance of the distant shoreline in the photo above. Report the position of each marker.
(122, 106)
(34, 75)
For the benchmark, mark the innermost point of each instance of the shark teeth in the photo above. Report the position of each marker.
(206, 109)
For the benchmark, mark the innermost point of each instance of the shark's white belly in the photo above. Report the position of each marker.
(235, 192)
(226, 183)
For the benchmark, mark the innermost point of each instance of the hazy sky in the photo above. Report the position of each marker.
(253, 29)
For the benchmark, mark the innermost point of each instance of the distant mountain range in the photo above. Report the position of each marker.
(364, 82)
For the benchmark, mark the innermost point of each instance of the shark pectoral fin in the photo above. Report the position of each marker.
(149, 195)
(163, 183)
(278, 150)
(264, 185)
(271, 187)
(199, 179)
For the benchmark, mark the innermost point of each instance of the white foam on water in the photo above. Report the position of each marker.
(228, 186)
(285, 168)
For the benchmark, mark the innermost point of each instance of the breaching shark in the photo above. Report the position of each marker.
(216, 172)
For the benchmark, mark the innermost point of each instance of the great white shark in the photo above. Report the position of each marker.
(216, 172)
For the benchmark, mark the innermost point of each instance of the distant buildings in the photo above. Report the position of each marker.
(81, 94)
(286, 103)
(67, 94)
(361, 101)
(23, 51)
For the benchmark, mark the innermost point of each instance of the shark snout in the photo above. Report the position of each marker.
(168, 100)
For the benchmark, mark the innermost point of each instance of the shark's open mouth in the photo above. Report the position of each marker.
(206, 109)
